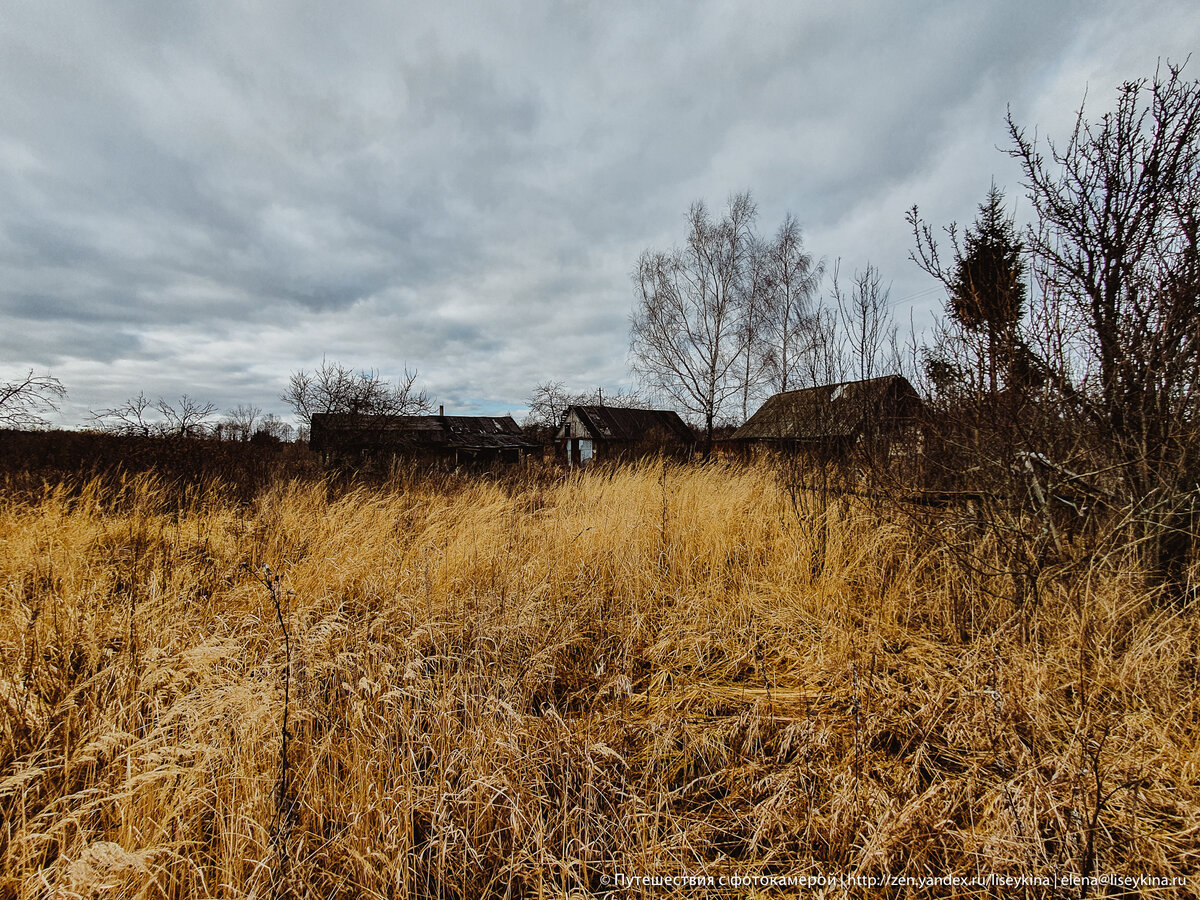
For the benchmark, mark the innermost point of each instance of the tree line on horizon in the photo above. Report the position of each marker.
(1072, 346)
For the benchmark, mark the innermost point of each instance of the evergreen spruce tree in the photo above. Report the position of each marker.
(987, 287)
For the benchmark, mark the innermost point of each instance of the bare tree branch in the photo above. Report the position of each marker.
(25, 401)
(1116, 249)
(790, 334)
(688, 330)
(239, 423)
(141, 416)
(334, 388)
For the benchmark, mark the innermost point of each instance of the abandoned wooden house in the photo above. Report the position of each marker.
(831, 420)
(589, 433)
(449, 440)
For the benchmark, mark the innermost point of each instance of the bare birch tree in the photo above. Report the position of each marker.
(755, 306)
(688, 333)
(790, 334)
(867, 322)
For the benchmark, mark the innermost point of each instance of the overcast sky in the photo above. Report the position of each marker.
(202, 198)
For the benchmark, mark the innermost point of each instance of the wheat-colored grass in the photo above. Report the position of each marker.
(525, 689)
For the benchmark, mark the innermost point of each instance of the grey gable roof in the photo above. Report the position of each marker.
(619, 423)
(831, 410)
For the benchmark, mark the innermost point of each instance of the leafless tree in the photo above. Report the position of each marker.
(334, 388)
(814, 482)
(756, 312)
(549, 400)
(133, 417)
(546, 404)
(25, 401)
(186, 417)
(1074, 409)
(824, 357)
(790, 330)
(687, 333)
(1116, 248)
(867, 323)
(274, 427)
(239, 423)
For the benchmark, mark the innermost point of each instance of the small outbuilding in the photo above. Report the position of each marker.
(830, 420)
(449, 440)
(588, 433)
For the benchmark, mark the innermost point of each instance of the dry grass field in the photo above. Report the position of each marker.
(542, 688)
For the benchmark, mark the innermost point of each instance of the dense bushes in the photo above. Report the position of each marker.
(28, 459)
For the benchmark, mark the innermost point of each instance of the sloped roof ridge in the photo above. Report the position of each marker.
(628, 422)
(835, 384)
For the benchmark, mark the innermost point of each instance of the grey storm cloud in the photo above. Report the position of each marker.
(203, 198)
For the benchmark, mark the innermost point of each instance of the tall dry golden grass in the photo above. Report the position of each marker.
(525, 690)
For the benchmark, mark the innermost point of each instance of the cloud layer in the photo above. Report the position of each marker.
(203, 199)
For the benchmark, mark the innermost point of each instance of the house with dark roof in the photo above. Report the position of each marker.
(588, 433)
(830, 420)
(449, 440)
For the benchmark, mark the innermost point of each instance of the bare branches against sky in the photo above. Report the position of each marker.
(202, 200)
